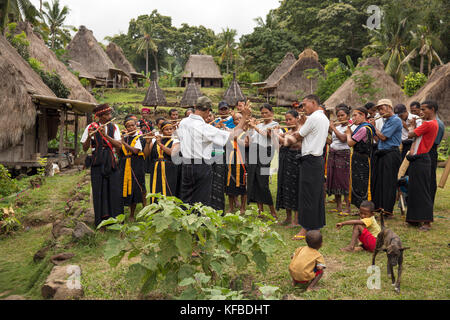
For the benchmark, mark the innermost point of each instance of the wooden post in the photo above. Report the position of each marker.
(76, 136)
(62, 117)
(445, 175)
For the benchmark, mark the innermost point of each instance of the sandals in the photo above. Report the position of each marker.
(298, 238)
(343, 214)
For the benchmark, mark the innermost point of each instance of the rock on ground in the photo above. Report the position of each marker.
(61, 258)
(63, 283)
(82, 230)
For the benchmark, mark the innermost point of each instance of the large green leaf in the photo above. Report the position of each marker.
(260, 259)
(184, 244)
(136, 274)
(149, 283)
(149, 261)
(115, 250)
(186, 271)
(168, 250)
(240, 260)
(161, 222)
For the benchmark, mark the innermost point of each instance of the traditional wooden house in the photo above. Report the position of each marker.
(387, 87)
(233, 93)
(117, 56)
(288, 60)
(296, 82)
(207, 73)
(85, 50)
(437, 89)
(191, 94)
(31, 114)
(155, 95)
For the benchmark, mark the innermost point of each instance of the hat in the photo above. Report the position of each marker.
(102, 109)
(146, 110)
(384, 102)
(204, 102)
(400, 108)
(223, 105)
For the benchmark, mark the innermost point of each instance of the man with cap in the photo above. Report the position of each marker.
(225, 116)
(105, 174)
(387, 158)
(408, 123)
(196, 145)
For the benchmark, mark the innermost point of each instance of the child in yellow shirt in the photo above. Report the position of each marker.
(307, 263)
(365, 230)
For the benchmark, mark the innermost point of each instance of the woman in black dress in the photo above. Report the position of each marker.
(260, 157)
(164, 171)
(132, 166)
(288, 170)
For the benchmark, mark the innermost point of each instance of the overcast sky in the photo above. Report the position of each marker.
(110, 17)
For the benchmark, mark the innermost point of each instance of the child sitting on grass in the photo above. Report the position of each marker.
(307, 263)
(365, 230)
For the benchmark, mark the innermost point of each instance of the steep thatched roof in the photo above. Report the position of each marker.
(203, 66)
(78, 67)
(155, 96)
(294, 82)
(288, 60)
(117, 56)
(191, 94)
(348, 95)
(51, 63)
(233, 93)
(17, 83)
(437, 89)
(85, 50)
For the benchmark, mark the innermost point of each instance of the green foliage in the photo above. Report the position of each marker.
(249, 77)
(413, 82)
(166, 234)
(444, 150)
(336, 74)
(8, 221)
(7, 185)
(227, 78)
(53, 17)
(52, 80)
(85, 82)
(364, 84)
(18, 41)
(69, 142)
(41, 169)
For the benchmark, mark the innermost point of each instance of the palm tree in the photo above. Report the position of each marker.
(54, 18)
(227, 46)
(391, 43)
(148, 43)
(425, 44)
(17, 10)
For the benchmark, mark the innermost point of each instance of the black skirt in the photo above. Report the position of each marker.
(106, 194)
(420, 203)
(311, 199)
(258, 179)
(360, 183)
(288, 174)
(137, 179)
(218, 186)
(164, 179)
(384, 178)
(433, 166)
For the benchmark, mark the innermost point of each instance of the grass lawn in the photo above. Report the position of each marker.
(425, 274)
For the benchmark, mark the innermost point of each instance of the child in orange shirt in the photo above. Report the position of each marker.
(307, 263)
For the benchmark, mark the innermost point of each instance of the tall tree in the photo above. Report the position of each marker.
(17, 10)
(425, 44)
(227, 46)
(148, 43)
(53, 18)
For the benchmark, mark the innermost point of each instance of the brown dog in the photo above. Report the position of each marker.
(390, 243)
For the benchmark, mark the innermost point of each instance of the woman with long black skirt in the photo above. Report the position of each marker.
(260, 157)
(288, 171)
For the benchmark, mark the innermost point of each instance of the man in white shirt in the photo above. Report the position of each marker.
(314, 131)
(196, 144)
(105, 174)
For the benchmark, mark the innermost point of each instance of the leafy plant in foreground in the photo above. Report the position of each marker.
(166, 234)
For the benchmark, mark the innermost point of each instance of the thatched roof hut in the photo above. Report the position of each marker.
(233, 93)
(155, 95)
(191, 94)
(85, 49)
(30, 112)
(51, 63)
(17, 83)
(437, 89)
(295, 83)
(389, 89)
(205, 69)
(288, 60)
(117, 56)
